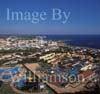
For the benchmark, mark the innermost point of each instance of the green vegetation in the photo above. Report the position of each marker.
(3, 61)
(18, 50)
(6, 89)
(44, 65)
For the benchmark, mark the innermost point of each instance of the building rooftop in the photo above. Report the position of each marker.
(85, 74)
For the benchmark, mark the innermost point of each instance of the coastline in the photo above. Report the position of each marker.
(90, 42)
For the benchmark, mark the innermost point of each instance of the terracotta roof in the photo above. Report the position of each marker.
(85, 74)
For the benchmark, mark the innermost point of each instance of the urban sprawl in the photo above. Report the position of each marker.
(39, 66)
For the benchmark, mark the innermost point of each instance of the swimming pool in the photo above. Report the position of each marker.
(12, 70)
(7, 74)
(1, 70)
(6, 77)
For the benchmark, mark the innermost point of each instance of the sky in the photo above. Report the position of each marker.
(84, 17)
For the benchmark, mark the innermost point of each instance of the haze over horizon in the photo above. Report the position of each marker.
(84, 18)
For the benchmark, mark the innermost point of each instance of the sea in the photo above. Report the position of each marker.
(91, 41)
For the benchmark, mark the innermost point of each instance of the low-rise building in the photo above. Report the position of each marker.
(86, 75)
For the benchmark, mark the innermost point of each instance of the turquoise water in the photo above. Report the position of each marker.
(1, 71)
(6, 74)
(6, 77)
